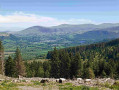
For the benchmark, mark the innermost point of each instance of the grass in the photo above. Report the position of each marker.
(8, 85)
(5, 85)
(44, 84)
(107, 85)
(70, 86)
(115, 86)
(36, 83)
(79, 88)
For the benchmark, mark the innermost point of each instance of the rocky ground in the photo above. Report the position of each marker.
(38, 88)
(37, 83)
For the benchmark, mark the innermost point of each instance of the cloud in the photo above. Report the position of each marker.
(20, 19)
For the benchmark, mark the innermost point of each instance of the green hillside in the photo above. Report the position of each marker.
(89, 61)
(37, 46)
(34, 42)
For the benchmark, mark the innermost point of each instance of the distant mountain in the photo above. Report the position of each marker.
(4, 36)
(35, 30)
(97, 35)
(87, 27)
(37, 40)
(90, 26)
(111, 29)
(66, 28)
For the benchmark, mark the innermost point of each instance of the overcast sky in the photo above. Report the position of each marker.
(25, 13)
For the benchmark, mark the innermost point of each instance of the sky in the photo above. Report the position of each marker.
(26, 13)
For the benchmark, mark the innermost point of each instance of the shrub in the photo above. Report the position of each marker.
(115, 86)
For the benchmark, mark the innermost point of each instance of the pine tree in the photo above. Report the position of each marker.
(78, 65)
(62, 66)
(103, 74)
(10, 69)
(65, 65)
(72, 65)
(96, 64)
(19, 63)
(47, 68)
(40, 72)
(89, 73)
(1, 59)
(55, 64)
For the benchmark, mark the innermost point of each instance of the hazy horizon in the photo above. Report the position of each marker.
(8, 29)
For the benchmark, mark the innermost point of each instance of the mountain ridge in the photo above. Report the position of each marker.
(64, 29)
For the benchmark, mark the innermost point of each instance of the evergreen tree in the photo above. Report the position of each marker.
(72, 65)
(55, 64)
(96, 64)
(20, 68)
(1, 58)
(10, 69)
(103, 74)
(95, 60)
(40, 72)
(78, 65)
(47, 68)
(89, 73)
(65, 65)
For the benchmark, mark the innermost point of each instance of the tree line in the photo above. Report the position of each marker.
(88, 61)
(15, 67)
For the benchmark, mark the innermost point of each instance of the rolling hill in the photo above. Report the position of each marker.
(67, 29)
(36, 41)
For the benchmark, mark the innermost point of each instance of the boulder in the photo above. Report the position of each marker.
(87, 81)
(61, 80)
(44, 81)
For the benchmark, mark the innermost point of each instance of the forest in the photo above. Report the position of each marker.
(99, 60)
(89, 61)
